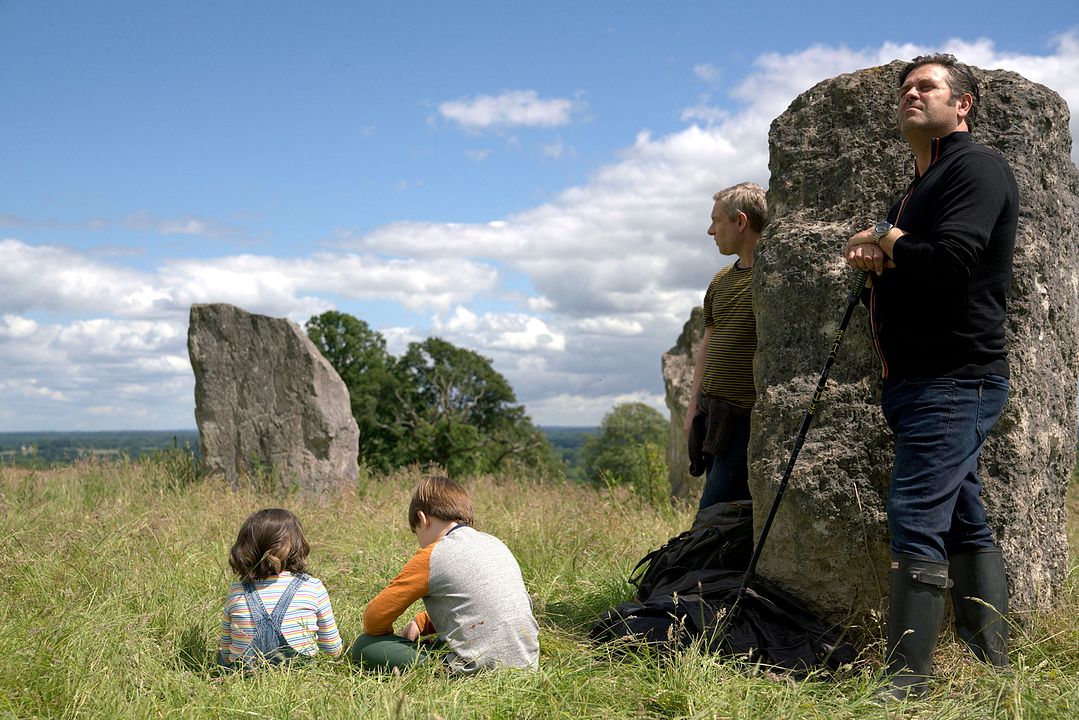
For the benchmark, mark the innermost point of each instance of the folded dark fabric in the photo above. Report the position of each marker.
(710, 431)
(699, 462)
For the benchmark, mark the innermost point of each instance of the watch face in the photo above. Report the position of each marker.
(882, 228)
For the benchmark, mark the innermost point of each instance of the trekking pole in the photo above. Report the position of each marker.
(852, 301)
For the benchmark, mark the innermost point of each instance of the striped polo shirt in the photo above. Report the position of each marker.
(728, 311)
(309, 625)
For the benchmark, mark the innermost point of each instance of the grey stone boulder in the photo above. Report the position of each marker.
(837, 164)
(267, 401)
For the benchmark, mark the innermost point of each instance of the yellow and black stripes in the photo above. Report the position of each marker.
(728, 311)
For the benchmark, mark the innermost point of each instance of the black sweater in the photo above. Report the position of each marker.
(940, 311)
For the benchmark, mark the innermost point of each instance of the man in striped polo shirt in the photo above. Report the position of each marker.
(723, 393)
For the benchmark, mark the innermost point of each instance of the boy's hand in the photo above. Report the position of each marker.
(411, 631)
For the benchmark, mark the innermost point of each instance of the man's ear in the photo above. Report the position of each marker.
(743, 221)
(966, 102)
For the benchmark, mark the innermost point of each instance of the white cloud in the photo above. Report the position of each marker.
(29, 389)
(143, 221)
(189, 225)
(398, 338)
(707, 72)
(96, 374)
(13, 327)
(513, 108)
(477, 155)
(704, 113)
(57, 279)
(586, 410)
(611, 326)
(493, 331)
(557, 149)
(62, 280)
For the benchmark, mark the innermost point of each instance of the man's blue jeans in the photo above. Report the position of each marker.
(728, 478)
(934, 505)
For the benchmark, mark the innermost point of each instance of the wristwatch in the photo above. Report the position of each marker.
(880, 230)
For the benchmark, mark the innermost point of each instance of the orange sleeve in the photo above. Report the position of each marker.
(426, 626)
(409, 586)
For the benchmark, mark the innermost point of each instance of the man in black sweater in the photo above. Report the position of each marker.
(942, 264)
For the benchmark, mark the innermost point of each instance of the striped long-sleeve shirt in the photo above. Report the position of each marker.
(309, 625)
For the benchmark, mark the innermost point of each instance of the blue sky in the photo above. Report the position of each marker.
(533, 183)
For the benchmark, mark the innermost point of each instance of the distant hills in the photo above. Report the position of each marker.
(27, 448)
(47, 448)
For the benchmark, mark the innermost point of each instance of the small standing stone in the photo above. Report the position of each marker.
(266, 398)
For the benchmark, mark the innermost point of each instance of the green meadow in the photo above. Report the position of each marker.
(114, 573)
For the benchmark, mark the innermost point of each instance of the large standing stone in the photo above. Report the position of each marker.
(677, 381)
(265, 396)
(837, 164)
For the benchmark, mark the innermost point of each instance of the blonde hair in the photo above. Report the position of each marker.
(270, 542)
(748, 198)
(439, 497)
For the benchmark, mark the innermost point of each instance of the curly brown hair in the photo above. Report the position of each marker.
(270, 542)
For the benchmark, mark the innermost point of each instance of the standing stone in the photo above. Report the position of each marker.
(837, 164)
(265, 398)
(677, 381)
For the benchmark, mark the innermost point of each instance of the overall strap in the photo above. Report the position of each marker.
(281, 607)
(254, 602)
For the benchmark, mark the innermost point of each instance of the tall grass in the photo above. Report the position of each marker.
(113, 578)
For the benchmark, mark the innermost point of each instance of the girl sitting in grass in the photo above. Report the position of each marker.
(275, 611)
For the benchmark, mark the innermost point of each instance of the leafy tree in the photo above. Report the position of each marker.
(436, 404)
(463, 415)
(359, 355)
(631, 438)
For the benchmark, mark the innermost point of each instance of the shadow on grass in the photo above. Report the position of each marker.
(193, 653)
(576, 616)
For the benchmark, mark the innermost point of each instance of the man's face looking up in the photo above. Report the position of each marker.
(926, 106)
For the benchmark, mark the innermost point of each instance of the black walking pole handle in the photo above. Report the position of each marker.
(860, 281)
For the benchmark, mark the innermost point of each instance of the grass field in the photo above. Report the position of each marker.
(113, 576)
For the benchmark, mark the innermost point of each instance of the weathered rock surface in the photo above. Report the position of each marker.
(837, 164)
(265, 397)
(677, 381)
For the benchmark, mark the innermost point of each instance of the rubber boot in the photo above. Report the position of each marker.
(980, 599)
(915, 612)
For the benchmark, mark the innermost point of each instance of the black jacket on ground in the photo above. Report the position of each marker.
(940, 311)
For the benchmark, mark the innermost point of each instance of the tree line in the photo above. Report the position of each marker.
(444, 405)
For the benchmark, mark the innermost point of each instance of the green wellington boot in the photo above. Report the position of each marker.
(980, 598)
(915, 611)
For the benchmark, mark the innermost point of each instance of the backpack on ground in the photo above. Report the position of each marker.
(686, 588)
(771, 626)
(721, 538)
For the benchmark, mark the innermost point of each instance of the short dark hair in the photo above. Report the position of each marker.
(961, 79)
(439, 497)
(270, 542)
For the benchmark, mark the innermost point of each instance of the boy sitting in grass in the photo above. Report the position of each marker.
(472, 590)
